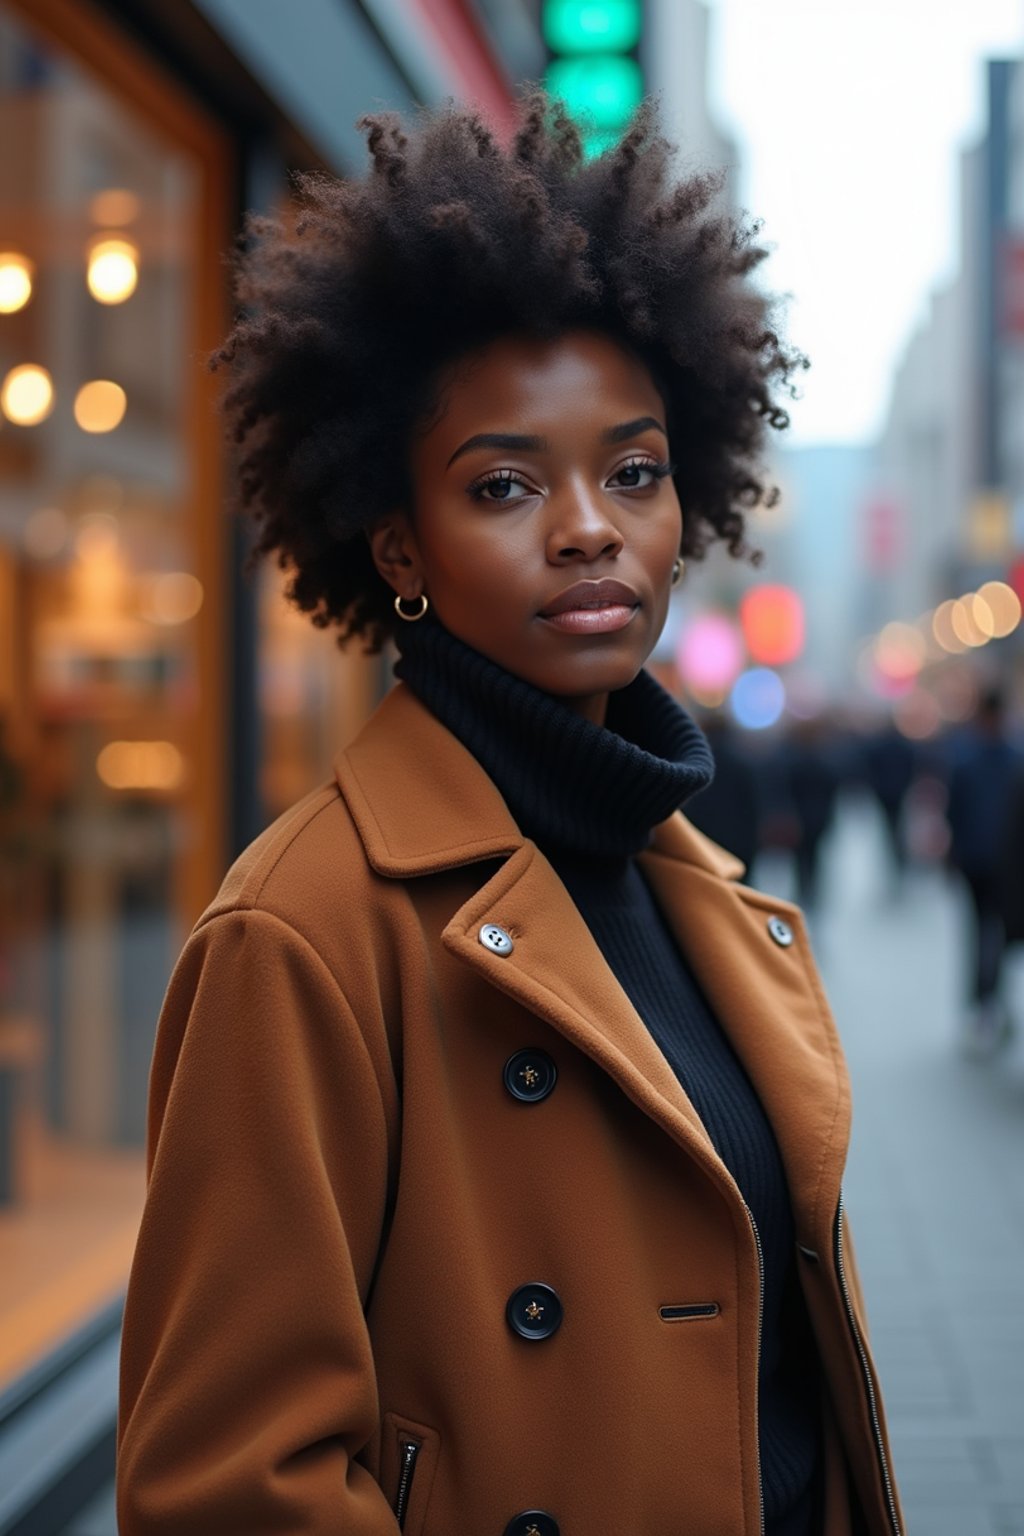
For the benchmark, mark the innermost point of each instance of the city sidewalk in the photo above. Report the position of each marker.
(934, 1188)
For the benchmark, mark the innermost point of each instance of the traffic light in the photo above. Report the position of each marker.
(593, 65)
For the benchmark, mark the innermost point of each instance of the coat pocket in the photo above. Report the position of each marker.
(408, 1462)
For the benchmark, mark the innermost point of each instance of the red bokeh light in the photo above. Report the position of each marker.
(772, 619)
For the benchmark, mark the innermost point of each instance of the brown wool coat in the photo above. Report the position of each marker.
(343, 1195)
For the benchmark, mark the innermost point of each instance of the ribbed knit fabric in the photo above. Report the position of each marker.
(554, 768)
(590, 797)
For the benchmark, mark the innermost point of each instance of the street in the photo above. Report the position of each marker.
(934, 1189)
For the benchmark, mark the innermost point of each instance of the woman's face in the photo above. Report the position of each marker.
(545, 523)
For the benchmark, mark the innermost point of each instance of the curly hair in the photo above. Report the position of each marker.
(350, 314)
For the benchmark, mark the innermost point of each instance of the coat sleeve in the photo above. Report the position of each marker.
(247, 1380)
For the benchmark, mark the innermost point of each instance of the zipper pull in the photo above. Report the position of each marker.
(410, 1450)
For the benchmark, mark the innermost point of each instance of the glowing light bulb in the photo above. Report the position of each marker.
(100, 406)
(173, 597)
(113, 270)
(1003, 604)
(26, 396)
(900, 652)
(114, 205)
(15, 282)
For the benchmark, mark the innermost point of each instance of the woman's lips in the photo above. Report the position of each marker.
(592, 621)
(592, 607)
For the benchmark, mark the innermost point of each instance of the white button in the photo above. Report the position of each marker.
(496, 939)
(780, 931)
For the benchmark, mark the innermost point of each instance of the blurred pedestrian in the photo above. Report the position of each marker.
(889, 764)
(1012, 867)
(496, 1132)
(812, 778)
(728, 809)
(982, 790)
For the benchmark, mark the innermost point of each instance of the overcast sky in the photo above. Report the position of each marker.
(849, 114)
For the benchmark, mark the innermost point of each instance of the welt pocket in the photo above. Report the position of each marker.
(688, 1312)
(408, 1462)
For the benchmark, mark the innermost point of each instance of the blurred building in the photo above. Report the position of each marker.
(825, 486)
(677, 37)
(1011, 366)
(155, 707)
(945, 516)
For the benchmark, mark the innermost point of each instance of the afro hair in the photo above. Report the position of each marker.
(350, 312)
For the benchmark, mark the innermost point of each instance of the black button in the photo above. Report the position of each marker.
(534, 1312)
(530, 1076)
(532, 1522)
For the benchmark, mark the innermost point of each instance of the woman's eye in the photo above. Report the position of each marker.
(498, 487)
(630, 476)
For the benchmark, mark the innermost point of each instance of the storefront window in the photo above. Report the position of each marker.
(313, 696)
(104, 668)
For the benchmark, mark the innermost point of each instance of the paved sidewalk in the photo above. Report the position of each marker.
(934, 1189)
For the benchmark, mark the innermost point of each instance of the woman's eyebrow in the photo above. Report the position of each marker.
(512, 440)
(516, 441)
(631, 428)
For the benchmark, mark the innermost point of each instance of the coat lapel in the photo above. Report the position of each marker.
(423, 804)
(557, 972)
(768, 999)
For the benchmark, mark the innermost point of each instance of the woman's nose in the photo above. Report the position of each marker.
(581, 528)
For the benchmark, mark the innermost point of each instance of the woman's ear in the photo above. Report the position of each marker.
(394, 552)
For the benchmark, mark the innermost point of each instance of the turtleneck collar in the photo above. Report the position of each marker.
(569, 784)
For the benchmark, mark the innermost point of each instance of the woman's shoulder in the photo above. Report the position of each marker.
(306, 868)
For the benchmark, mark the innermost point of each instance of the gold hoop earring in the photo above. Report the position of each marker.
(677, 572)
(411, 618)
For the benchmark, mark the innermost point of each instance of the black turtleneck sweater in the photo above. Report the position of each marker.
(590, 796)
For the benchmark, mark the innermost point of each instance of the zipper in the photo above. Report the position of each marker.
(757, 1374)
(410, 1450)
(866, 1370)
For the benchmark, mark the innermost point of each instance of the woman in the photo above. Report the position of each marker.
(495, 1130)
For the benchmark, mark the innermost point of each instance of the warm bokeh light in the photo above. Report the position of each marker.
(99, 578)
(772, 618)
(708, 698)
(917, 716)
(758, 698)
(113, 270)
(100, 405)
(26, 397)
(98, 535)
(1004, 606)
(900, 651)
(710, 655)
(46, 533)
(965, 615)
(173, 597)
(885, 685)
(113, 206)
(942, 628)
(16, 272)
(141, 765)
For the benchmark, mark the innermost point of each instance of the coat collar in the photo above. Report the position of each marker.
(414, 822)
(767, 997)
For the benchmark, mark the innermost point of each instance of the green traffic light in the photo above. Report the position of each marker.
(591, 26)
(602, 90)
